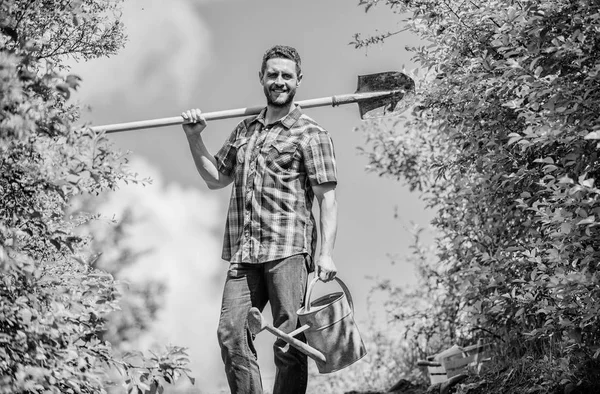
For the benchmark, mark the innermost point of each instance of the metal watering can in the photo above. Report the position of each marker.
(332, 329)
(333, 340)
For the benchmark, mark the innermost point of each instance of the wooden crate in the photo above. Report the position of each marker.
(455, 361)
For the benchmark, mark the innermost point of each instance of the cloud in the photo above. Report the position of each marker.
(177, 225)
(168, 47)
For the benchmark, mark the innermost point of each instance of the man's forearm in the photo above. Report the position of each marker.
(325, 266)
(206, 163)
(328, 214)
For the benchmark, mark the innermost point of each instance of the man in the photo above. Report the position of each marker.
(278, 162)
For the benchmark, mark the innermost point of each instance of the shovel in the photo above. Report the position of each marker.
(382, 94)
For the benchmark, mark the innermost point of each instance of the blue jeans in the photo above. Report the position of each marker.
(283, 284)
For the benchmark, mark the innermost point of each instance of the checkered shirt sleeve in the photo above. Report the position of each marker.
(319, 158)
(226, 156)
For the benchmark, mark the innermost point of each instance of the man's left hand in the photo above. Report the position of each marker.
(326, 269)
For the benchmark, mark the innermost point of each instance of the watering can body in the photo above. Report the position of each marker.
(332, 328)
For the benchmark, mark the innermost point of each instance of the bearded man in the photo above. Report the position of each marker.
(279, 162)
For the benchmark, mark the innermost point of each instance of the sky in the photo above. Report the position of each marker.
(206, 54)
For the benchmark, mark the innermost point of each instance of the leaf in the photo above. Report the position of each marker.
(520, 312)
(538, 71)
(587, 182)
(594, 135)
(513, 104)
(547, 160)
(63, 89)
(73, 81)
(589, 220)
(513, 137)
(55, 243)
(566, 179)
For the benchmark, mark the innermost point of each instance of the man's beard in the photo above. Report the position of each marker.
(273, 103)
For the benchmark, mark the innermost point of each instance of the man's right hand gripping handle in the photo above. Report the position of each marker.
(194, 122)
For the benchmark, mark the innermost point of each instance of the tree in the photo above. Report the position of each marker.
(53, 301)
(503, 144)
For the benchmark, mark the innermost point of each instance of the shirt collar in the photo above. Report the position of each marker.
(287, 121)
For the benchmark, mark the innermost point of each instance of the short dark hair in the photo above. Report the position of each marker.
(282, 51)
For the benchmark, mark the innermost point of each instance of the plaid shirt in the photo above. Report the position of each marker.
(272, 166)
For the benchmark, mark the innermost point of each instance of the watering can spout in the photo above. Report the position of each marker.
(256, 324)
(332, 337)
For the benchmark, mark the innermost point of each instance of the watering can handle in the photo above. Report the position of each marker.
(312, 285)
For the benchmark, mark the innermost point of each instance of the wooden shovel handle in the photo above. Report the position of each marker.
(234, 113)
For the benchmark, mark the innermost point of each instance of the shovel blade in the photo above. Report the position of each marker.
(402, 95)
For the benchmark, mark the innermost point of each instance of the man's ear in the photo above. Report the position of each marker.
(299, 79)
(260, 76)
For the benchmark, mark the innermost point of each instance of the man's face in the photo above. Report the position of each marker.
(280, 81)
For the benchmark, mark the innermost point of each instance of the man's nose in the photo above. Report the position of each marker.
(279, 80)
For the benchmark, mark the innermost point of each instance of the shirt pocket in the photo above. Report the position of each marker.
(240, 146)
(282, 157)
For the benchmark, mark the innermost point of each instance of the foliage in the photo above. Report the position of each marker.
(428, 314)
(109, 249)
(404, 325)
(389, 358)
(504, 145)
(53, 300)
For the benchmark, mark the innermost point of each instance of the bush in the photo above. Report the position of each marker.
(53, 302)
(503, 144)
